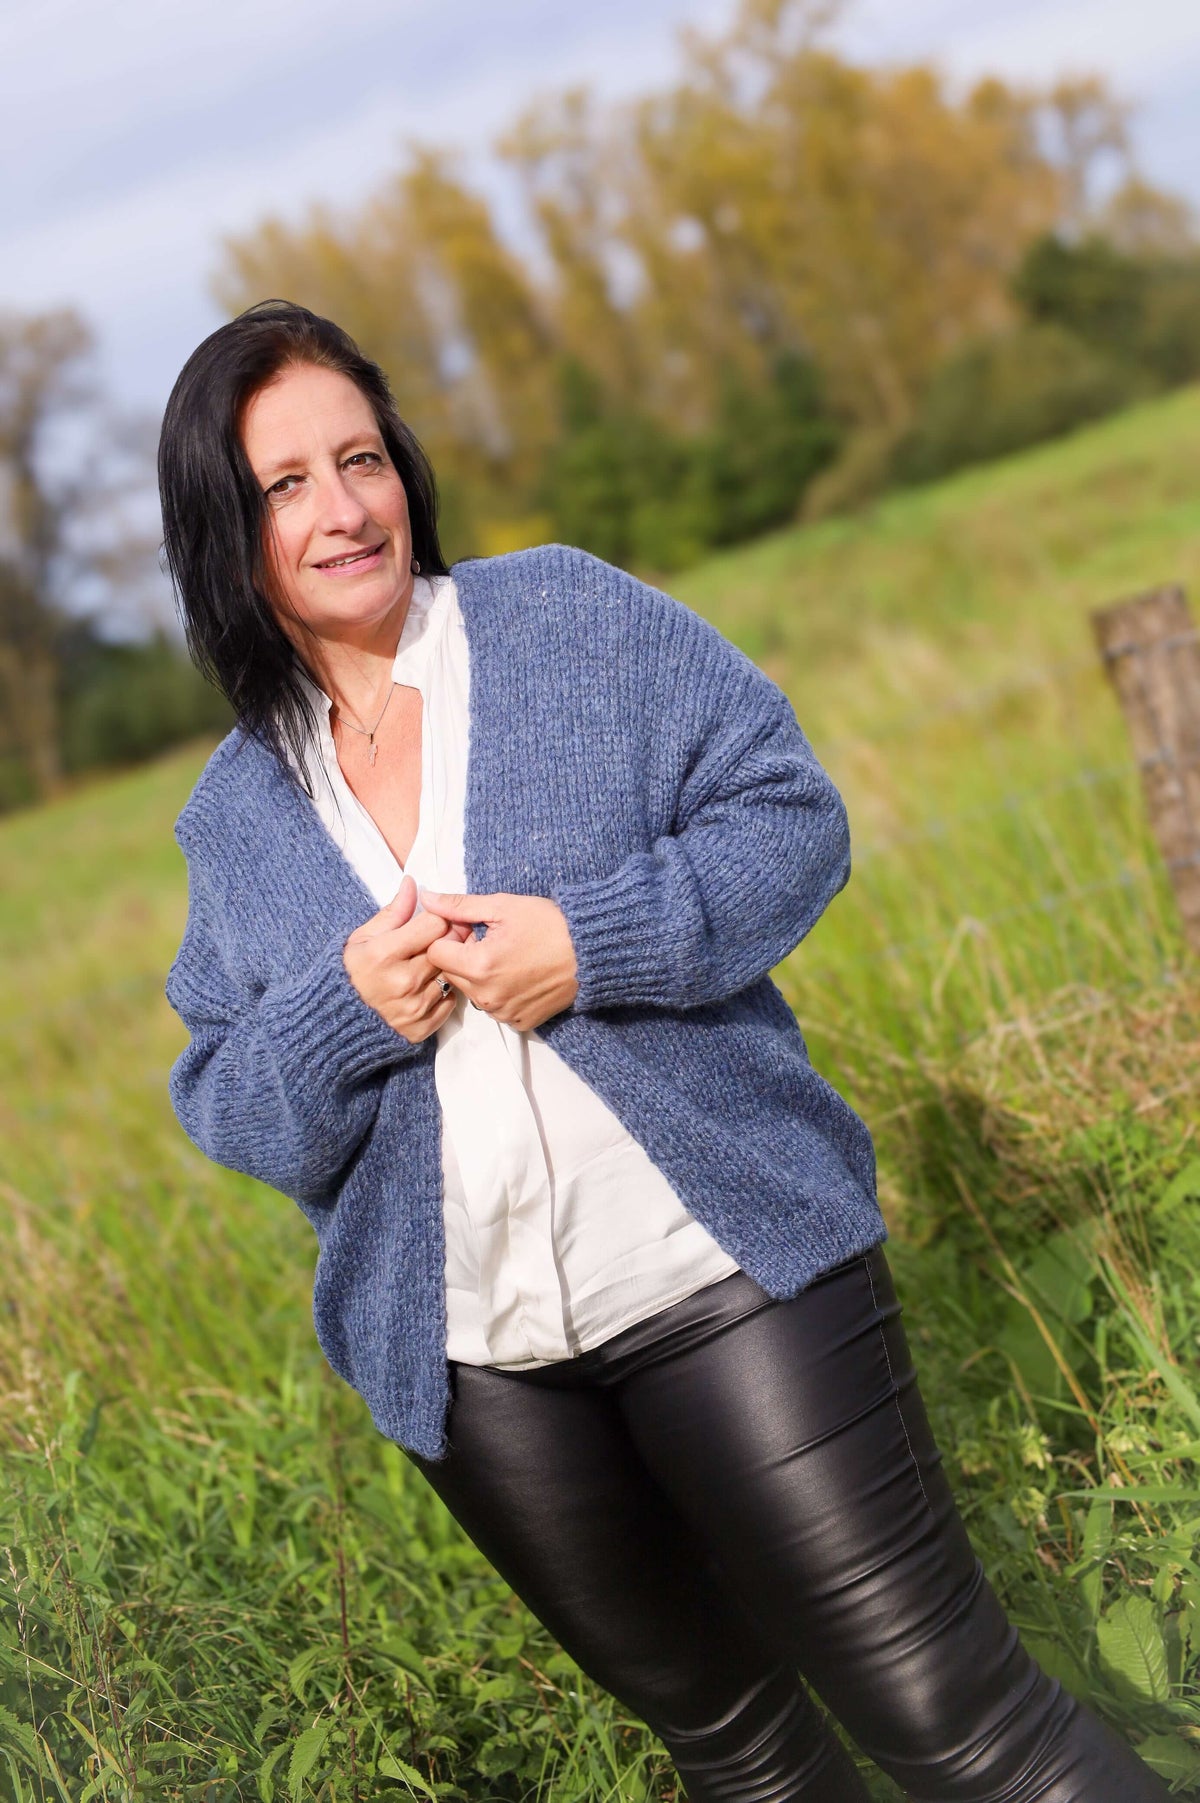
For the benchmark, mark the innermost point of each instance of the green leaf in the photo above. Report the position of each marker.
(162, 1750)
(1184, 1188)
(1140, 1493)
(266, 1772)
(1058, 1663)
(270, 1713)
(391, 1767)
(98, 1748)
(1059, 1278)
(18, 1735)
(500, 1688)
(1097, 1533)
(301, 1668)
(97, 1787)
(19, 1793)
(405, 1655)
(1057, 1282)
(305, 1754)
(1132, 1649)
(497, 1758)
(1170, 1757)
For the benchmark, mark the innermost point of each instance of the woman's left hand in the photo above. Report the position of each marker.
(523, 969)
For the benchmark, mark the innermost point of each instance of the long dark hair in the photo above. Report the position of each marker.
(214, 511)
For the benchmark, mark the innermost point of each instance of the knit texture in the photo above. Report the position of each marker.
(629, 762)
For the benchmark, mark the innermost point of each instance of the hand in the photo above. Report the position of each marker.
(523, 969)
(387, 959)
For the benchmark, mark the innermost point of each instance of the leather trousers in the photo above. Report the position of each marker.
(738, 1503)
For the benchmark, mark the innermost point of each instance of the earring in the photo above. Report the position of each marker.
(416, 566)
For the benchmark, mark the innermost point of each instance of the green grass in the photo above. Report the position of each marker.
(219, 1582)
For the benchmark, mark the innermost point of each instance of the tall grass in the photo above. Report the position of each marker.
(219, 1582)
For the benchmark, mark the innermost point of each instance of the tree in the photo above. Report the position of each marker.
(1000, 394)
(563, 152)
(30, 631)
(621, 484)
(421, 278)
(1139, 311)
(41, 381)
(775, 207)
(42, 377)
(764, 449)
(1140, 220)
(781, 200)
(78, 528)
(1088, 287)
(1084, 126)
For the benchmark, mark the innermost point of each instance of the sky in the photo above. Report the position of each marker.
(136, 134)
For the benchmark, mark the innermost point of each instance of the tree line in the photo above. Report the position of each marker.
(779, 285)
(79, 540)
(774, 289)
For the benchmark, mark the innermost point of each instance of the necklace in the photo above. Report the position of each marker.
(367, 731)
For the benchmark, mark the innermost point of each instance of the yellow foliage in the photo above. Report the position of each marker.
(495, 537)
(855, 213)
(776, 199)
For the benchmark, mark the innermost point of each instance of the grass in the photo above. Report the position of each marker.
(219, 1582)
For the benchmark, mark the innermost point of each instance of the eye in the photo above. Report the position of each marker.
(280, 490)
(364, 459)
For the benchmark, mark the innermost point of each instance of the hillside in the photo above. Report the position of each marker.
(871, 618)
(939, 655)
(1001, 991)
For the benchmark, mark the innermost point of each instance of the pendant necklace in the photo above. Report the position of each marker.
(368, 731)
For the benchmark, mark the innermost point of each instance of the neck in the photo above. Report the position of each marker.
(353, 663)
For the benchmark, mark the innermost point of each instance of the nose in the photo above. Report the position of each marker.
(339, 509)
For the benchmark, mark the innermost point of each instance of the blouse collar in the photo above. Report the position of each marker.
(424, 623)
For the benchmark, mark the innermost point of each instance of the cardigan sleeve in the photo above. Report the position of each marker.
(281, 1083)
(758, 846)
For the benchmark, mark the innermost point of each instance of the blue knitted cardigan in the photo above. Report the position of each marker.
(629, 762)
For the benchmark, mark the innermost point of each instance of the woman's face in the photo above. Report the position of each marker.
(339, 544)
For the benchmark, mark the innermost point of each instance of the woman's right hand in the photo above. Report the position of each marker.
(385, 960)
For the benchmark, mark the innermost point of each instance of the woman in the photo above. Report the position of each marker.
(597, 1246)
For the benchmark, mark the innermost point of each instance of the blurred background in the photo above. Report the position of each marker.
(874, 334)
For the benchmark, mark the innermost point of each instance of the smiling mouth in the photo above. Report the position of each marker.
(350, 557)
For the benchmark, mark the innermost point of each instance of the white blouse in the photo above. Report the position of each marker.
(560, 1230)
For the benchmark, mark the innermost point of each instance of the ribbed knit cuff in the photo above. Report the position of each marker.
(622, 952)
(322, 1028)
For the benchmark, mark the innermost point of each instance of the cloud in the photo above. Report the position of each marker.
(188, 126)
(1145, 49)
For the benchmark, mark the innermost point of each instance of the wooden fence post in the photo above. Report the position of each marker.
(1152, 652)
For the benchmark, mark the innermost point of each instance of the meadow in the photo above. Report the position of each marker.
(217, 1581)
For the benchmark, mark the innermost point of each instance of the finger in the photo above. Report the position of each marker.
(459, 959)
(417, 935)
(442, 1007)
(402, 906)
(395, 913)
(469, 909)
(451, 929)
(434, 1017)
(429, 970)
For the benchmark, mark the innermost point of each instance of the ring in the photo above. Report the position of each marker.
(446, 988)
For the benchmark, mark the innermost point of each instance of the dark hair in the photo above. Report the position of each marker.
(214, 511)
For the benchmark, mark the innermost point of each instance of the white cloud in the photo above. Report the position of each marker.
(1145, 48)
(124, 211)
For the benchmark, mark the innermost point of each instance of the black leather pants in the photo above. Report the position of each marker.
(739, 1490)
